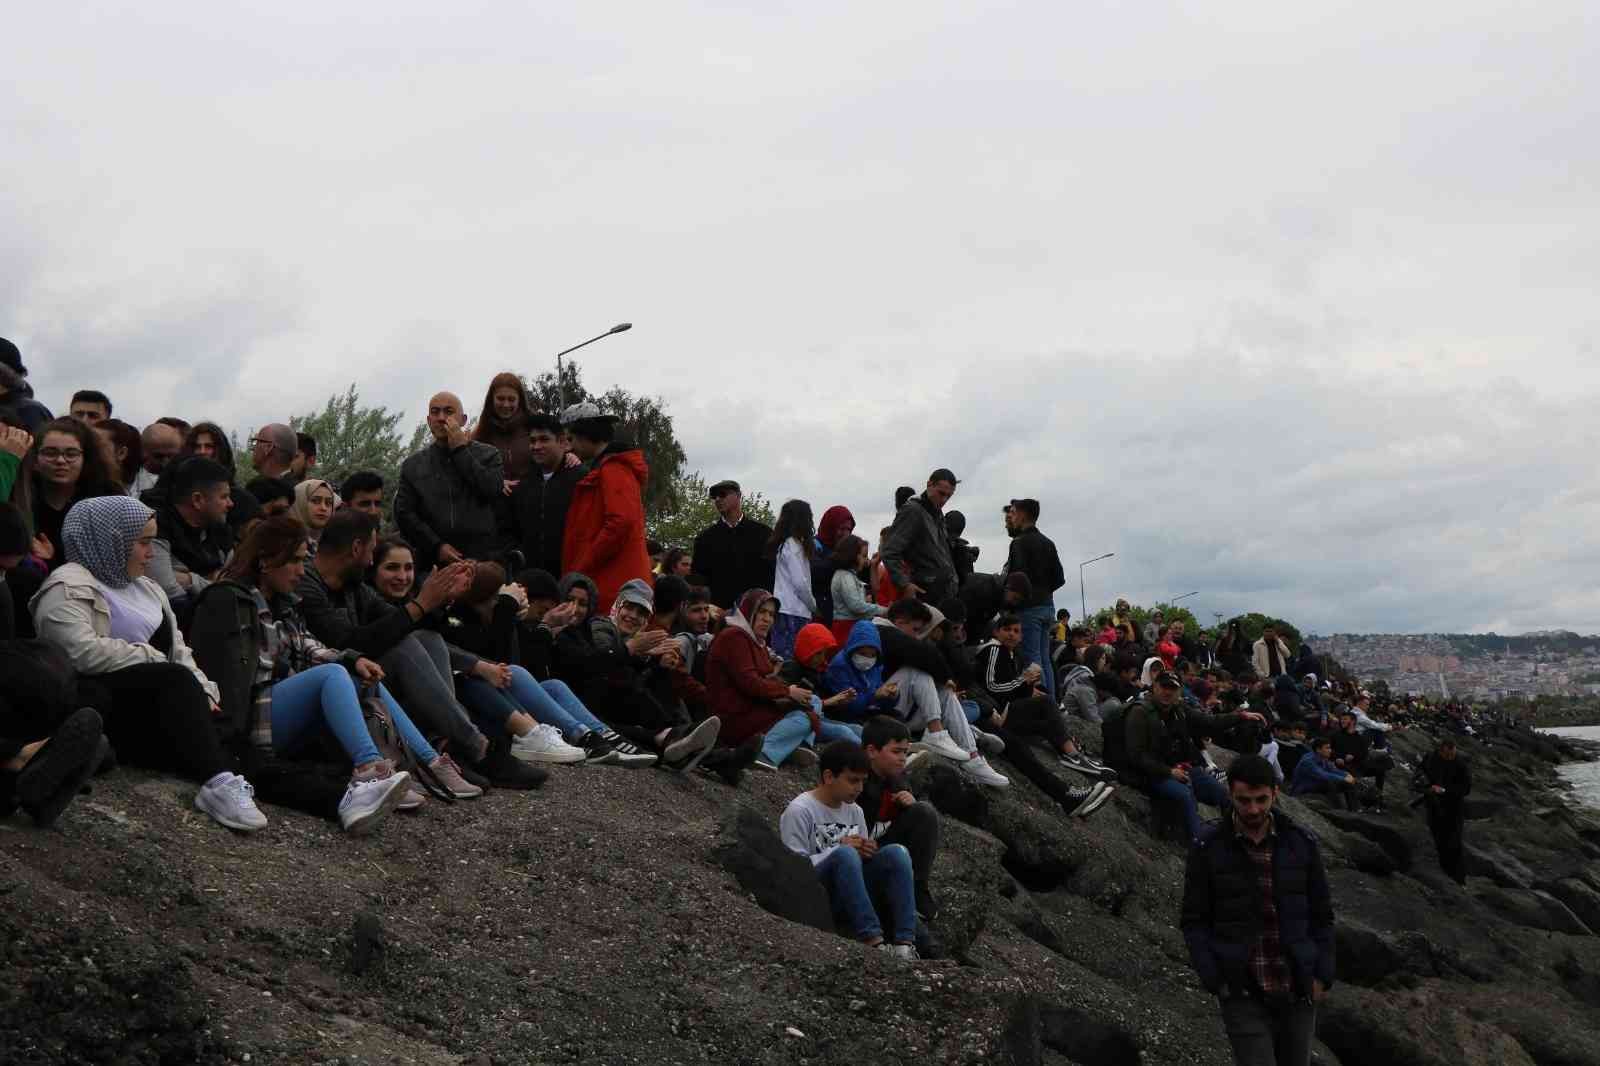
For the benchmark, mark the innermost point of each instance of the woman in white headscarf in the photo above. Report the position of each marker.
(314, 503)
(118, 629)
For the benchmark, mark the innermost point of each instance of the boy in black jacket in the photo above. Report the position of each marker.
(894, 815)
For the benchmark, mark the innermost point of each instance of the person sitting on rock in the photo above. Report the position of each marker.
(826, 826)
(608, 662)
(1316, 774)
(1353, 751)
(925, 693)
(744, 688)
(1162, 751)
(894, 814)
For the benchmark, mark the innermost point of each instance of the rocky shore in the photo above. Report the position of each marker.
(612, 918)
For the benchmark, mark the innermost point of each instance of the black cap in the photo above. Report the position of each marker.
(726, 485)
(11, 356)
(1169, 679)
(944, 474)
(13, 531)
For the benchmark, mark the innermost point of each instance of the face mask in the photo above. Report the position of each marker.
(863, 662)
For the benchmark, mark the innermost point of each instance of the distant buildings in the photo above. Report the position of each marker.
(1471, 665)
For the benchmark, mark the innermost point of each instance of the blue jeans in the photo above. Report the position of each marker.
(550, 703)
(854, 883)
(971, 709)
(327, 693)
(1036, 625)
(794, 729)
(1201, 784)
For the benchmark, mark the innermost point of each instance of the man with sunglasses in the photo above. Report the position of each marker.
(730, 553)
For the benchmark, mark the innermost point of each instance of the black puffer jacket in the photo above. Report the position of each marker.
(1221, 915)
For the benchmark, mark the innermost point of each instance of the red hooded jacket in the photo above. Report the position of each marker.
(604, 535)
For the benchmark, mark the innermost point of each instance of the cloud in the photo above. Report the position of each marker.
(1293, 306)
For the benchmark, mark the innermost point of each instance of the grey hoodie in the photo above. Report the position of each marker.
(1078, 695)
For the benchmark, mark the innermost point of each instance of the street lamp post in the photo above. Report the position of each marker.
(1185, 596)
(1083, 600)
(561, 383)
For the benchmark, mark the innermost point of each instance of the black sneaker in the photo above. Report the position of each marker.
(927, 906)
(502, 770)
(684, 754)
(57, 770)
(596, 749)
(731, 763)
(1098, 794)
(628, 755)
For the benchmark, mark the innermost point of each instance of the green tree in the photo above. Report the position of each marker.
(349, 438)
(692, 510)
(645, 422)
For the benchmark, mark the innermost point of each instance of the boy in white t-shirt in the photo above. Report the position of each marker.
(826, 826)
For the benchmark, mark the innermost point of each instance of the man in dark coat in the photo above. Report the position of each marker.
(541, 497)
(917, 551)
(1447, 781)
(449, 492)
(731, 552)
(1258, 919)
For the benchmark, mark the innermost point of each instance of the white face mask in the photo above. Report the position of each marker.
(863, 662)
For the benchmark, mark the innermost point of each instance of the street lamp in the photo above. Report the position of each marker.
(561, 383)
(1185, 596)
(1083, 601)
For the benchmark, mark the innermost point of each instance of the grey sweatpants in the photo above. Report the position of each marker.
(922, 701)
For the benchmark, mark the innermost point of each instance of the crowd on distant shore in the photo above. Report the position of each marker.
(296, 642)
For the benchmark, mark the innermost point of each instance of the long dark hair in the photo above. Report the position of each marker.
(794, 520)
(487, 421)
(97, 476)
(271, 542)
(127, 438)
(224, 445)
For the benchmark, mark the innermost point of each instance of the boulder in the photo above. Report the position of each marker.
(1580, 899)
(1411, 1028)
(1536, 910)
(1499, 866)
(1379, 831)
(781, 881)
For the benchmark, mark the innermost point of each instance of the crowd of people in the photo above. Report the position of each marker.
(287, 640)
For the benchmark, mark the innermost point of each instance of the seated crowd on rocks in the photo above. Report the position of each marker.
(293, 641)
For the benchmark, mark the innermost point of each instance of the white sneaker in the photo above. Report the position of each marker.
(979, 770)
(989, 742)
(939, 743)
(543, 743)
(231, 801)
(367, 801)
(904, 953)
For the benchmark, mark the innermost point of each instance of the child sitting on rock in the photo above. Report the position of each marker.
(864, 880)
(894, 814)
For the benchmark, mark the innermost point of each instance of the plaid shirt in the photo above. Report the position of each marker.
(1268, 968)
(285, 650)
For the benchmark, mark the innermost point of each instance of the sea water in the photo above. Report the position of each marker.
(1584, 777)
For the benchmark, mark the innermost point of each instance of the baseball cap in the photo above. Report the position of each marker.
(584, 412)
(635, 591)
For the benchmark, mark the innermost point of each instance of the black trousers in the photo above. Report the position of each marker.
(916, 827)
(157, 715)
(1446, 825)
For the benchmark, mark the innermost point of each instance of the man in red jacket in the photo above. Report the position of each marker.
(604, 536)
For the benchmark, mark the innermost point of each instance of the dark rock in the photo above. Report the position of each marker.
(1411, 1028)
(1083, 1038)
(1580, 899)
(1479, 808)
(1377, 830)
(1498, 865)
(367, 943)
(1536, 910)
(782, 882)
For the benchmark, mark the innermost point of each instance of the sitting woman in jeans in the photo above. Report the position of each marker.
(546, 719)
(301, 684)
(118, 630)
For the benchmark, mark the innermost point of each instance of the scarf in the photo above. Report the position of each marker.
(1152, 667)
(98, 535)
(743, 616)
(302, 503)
(830, 529)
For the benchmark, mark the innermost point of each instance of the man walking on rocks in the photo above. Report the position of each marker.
(1258, 919)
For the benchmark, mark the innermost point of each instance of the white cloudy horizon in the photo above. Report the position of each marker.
(1293, 306)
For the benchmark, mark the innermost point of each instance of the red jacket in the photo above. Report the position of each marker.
(604, 535)
(740, 688)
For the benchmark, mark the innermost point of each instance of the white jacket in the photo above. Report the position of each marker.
(70, 612)
(1263, 662)
(792, 582)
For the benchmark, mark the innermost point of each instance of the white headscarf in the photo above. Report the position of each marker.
(98, 534)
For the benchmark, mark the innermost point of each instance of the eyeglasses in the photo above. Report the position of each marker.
(60, 455)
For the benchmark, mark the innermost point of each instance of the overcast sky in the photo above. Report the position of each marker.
(1291, 304)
